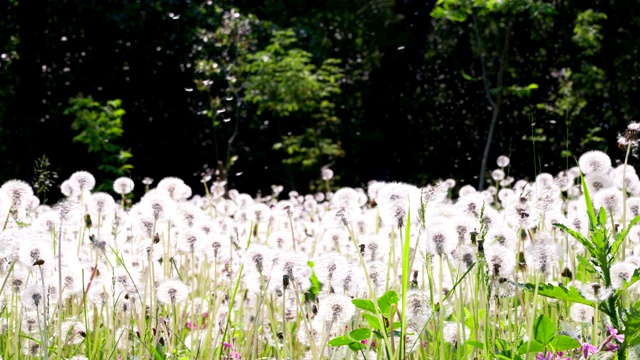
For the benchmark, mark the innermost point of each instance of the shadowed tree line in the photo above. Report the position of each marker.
(272, 93)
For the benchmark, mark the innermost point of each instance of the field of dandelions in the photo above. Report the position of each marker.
(390, 271)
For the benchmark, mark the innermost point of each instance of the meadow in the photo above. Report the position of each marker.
(541, 269)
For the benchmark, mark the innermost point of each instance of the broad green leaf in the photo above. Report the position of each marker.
(366, 305)
(340, 341)
(557, 292)
(360, 334)
(588, 266)
(530, 347)
(476, 344)
(631, 322)
(622, 235)
(356, 346)
(563, 342)
(385, 301)
(543, 329)
(373, 321)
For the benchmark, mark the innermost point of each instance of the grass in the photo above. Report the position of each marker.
(390, 272)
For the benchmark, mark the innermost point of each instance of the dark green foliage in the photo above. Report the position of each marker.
(404, 78)
(99, 127)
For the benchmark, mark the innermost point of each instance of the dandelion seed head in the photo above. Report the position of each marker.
(503, 161)
(258, 258)
(595, 292)
(123, 185)
(501, 260)
(18, 192)
(376, 247)
(174, 187)
(335, 309)
(502, 235)
(258, 213)
(594, 161)
(82, 181)
(435, 194)
(610, 199)
(497, 175)
(33, 297)
(328, 267)
(467, 190)
(581, 313)
(418, 308)
(633, 206)
(544, 254)
(441, 239)
(451, 334)
(73, 332)
(157, 205)
(172, 292)
(621, 272)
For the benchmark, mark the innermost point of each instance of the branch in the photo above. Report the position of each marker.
(495, 104)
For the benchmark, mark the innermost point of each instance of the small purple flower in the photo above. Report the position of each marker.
(544, 356)
(588, 349)
(611, 347)
(614, 332)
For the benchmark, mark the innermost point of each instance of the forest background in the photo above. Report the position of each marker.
(272, 92)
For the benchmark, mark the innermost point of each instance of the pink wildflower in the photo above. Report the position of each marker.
(588, 349)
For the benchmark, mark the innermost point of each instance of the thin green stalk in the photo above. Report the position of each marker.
(405, 283)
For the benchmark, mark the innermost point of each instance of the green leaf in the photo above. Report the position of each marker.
(366, 305)
(340, 341)
(634, 278)
(523, 91)
(563, 343)
(591, 213)
(469, 77)
(576, 235)
(385, 301)
(588, 266)
(356, 346)
(476, 344)
(543, 329)
(360, 334)
(373, 321)
(602, 218)
(622, 235)
(631, 324)
(530, 347)
(557, 292)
